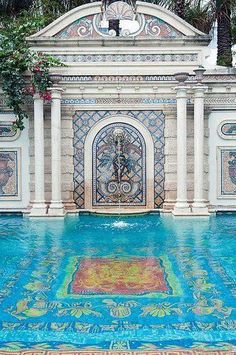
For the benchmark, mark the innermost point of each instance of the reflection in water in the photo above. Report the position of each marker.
(120, 224)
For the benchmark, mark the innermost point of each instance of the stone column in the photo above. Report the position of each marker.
(39, 207)
(199, 204)
(56, 206)
(181, 206)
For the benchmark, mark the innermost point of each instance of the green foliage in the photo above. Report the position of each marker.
(13, 7)
(224, 36)
(16, 59)
(200, 14)
(52, 9)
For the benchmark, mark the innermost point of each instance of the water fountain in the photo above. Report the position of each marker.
(118, 135)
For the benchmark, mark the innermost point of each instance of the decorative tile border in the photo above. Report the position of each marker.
(128, 352)
(112, 101)
(145, 101)
(118, 58)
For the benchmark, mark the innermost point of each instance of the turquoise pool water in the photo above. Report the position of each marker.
(146, 283)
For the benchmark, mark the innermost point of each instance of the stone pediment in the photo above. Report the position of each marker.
(90, 22)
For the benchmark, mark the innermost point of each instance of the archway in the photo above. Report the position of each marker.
(119, 171)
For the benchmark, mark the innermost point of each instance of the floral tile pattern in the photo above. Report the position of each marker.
(171, 285)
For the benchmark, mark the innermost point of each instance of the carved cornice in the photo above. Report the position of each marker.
(107, 79)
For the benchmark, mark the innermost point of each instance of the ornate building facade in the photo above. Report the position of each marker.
(135, 122)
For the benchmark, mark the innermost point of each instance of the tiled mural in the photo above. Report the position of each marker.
(154, 122)
(119, 166)
(148, 27)
(9, 174)
(228, 172)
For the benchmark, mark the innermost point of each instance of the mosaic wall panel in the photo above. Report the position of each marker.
(227, 130)
(154, 121)
(7, 133)
(9, 174)
(227, 172)
(119, 166)
(146, 27)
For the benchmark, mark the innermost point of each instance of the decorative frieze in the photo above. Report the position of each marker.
(124, 101)
(96, 26)
(139, 78)
(222, 100)
(125, 58)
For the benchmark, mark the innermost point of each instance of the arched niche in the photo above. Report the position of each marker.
(100, 182)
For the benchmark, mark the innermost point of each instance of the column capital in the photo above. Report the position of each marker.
(181, 87)
(200, 88)
(56, 92)
(37, 96)
(181, 91)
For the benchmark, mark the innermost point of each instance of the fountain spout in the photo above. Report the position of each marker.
(118, 135)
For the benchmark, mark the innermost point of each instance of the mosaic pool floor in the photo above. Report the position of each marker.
(83, 283)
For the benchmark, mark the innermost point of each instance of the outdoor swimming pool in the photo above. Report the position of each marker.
(146, 283)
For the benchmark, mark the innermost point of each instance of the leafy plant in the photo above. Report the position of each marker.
(16, 59)
(13, 7)
(200, 14)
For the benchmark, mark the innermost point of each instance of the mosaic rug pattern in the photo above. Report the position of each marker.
(120, 276)
(82, 283)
